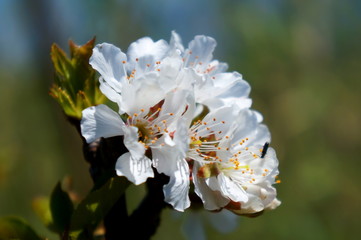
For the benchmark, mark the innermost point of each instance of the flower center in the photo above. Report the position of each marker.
(151, 126)
(204, 143)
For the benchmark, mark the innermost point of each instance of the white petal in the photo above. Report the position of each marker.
(135, 170)
(176, 191)
(176, 42)
(175, 104)
(235, 89)
(225, 80)
(168, 140)
(231, 190)
(217, 102)
(212, 200)
(255, 202)
(110, 92)
(274, 204)
(181, 137)
(247, 125)
(219, 67)
(100, 121)
(148, 88)
(202, 48)
(131, 142)
(107, 60)
(260, 136)
(146, 47)
(169, 69)
(224, 119)
(165, 159)
(187, 78)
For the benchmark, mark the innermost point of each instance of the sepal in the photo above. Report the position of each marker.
(75, 86)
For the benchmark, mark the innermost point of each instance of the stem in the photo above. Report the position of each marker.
(116, 219)
(102, 155)
(147, 215)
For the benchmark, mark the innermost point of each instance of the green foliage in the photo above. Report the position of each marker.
(96, 205)
(61, 208)
(76, 86)
(41, 207)
(16, 228)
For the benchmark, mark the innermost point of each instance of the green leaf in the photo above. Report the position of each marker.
(75, 87)
(16, 228)
(41, 206)
(61, 208)
(97, 204)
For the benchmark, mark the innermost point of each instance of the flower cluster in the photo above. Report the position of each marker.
(181, 113)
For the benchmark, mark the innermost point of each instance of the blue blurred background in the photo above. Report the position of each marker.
(301, 57)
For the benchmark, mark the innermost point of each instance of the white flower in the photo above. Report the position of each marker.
(234, 170)
(150, 106)
(124, 78)
(216, 87)
(163, 92)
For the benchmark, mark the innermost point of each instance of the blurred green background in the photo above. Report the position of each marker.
(302, 59)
